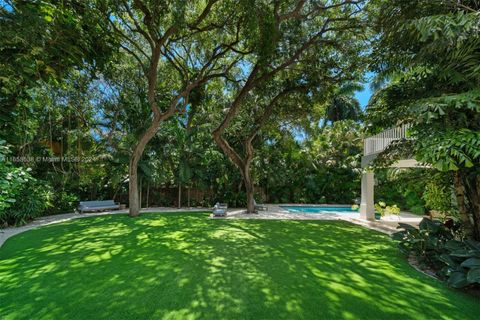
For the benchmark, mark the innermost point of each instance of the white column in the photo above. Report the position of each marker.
(367, 210)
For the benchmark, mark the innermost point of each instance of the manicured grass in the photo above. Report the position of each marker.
(185, 266)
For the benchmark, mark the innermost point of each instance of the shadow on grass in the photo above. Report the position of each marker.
(185, 266)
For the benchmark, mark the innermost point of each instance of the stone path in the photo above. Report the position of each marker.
(274, 212)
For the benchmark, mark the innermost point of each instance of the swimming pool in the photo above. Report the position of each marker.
(318, 209)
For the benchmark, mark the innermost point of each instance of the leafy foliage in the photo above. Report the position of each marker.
(439, 198)
(383, 209)
(462, 263)
(434, 244)
(312, 168)
(427, 242)
(428, 52)
(16, 185)
(41, 42)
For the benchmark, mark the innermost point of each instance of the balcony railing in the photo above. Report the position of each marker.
(379, 142)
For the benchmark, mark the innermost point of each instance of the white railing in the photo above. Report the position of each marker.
(379, 142)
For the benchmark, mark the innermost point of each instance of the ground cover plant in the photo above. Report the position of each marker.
(185, 266)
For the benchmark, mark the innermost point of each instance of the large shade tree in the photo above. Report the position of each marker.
(41, 42)
(179, 47)
(286, 35)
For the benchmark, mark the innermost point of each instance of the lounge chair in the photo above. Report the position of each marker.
(220, 209)
(259, 207)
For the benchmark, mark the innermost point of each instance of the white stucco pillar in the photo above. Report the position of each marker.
(367, 209)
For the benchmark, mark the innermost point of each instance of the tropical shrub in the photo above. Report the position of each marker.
(434, 244)
(438, 198)
(403, 187)
(383, 209)
(462, 263)
(64, 202)
(426, 243)
(22, 197)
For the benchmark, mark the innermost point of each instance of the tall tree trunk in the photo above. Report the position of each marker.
(148, 192)
(179, 194)
(247, 177)
(249, 189)
(133, 195)
(471, 180)
(151, 74)
(462, 208)
(243, 164)
(140, 192)
(133, 199)
(158, 115)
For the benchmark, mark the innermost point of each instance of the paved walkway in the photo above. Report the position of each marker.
(274, 212)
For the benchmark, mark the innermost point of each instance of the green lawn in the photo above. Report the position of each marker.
(185, 266)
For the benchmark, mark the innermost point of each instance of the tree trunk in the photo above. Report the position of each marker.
(477, 207)
(247, 177)
(249, 190)
(462, 208)
(179, 195)
(158, 117)
(471, 182)
(148, 192)
(133, 205)
(140, 192)
(133, 196)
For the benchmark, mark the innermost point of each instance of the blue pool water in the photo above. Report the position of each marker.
(317, 209)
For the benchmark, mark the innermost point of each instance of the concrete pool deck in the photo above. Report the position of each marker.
(387, 225)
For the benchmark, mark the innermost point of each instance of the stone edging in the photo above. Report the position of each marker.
(413, 262)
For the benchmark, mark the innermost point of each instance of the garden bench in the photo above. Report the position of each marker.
(97, 205)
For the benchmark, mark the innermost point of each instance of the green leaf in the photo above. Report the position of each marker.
(454, 245)
(445, 258)
(473, 244)
(457, 279)
(473, 275)
(463, 253)
(398, 236)
(429, 225)
(471, 263)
